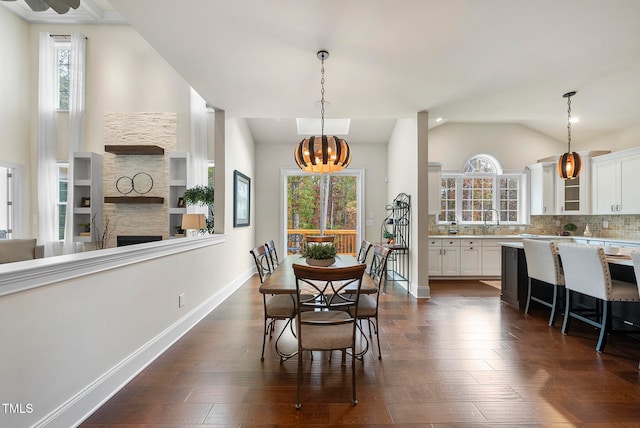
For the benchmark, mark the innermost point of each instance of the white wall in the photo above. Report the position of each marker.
(515, 146)
(60, 340)
(15, 92)
(124, 74)
(272, 157)
(621, 140)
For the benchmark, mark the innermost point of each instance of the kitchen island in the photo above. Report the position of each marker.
(514, 281)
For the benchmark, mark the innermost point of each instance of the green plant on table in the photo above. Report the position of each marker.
(320, 251)
(202, 196)
(570, 227)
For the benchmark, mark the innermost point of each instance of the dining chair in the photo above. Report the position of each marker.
(368, 303)
(294, 243)
(364, 251)
(543, 265)
(324, 238)
(326, 313)
(276, 307)
(586, 271)
(273, 254)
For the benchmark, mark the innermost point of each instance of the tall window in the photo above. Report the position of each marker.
(63, 183)
(63, 54)
(6, 202)
(479, 191)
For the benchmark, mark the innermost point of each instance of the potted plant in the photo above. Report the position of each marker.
(320, 254)
(568, 228)
(388, 236)
(86, 227)
(203, 196)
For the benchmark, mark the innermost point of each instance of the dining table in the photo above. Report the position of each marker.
(283, 281)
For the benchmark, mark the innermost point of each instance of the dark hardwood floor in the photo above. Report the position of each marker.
(459, 359)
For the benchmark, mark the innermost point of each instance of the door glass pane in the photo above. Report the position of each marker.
(307, 195)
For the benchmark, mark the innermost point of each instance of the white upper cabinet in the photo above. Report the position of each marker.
(543, 191)
(574, 196)
(615, 179)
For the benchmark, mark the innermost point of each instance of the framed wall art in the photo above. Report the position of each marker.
(241, 199)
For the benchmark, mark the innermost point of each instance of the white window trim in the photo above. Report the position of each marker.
(522, 195)
(292, 171)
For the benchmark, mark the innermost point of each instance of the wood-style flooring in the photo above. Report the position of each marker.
(459, 359)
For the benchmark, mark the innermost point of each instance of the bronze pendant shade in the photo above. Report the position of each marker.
(324, 154)
(569, 164)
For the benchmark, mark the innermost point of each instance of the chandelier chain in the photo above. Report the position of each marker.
(569, 122)
(322, 98)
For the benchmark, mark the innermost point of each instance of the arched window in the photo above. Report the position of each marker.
(482, 193)
(482, 163)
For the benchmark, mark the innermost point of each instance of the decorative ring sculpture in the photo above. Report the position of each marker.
(140, 183)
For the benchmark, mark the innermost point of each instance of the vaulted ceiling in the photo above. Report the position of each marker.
(489, 61)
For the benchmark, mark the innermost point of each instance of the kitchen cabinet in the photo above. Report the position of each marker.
(444, 257)
(435, 183)
(615, 178)
(470, 257)
(574, 196)
(514, 277)
(542, 188)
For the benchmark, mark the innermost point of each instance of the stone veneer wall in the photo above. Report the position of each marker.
(620, 226)
(158, 129)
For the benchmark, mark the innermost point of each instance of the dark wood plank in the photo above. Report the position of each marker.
(134, 149)
(460, 359)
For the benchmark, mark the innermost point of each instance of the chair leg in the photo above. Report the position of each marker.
(376, 329)
(605, 327)
(353, 375)
(264, 338)
(554, 305)
(526, 308)
(567, 311)
(298, 403)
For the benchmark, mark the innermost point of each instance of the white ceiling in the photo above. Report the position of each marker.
(489, 61)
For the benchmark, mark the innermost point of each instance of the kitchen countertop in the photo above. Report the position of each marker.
(533, 236)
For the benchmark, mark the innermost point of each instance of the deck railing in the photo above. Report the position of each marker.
(345, 240)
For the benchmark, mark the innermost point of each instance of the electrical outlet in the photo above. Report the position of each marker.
(605, 224)
(180, 300)
(557, 223)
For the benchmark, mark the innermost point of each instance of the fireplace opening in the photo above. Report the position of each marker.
(123, 240)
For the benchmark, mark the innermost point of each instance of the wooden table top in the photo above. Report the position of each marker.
(283, 280)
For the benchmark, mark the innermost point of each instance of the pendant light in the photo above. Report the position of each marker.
(569, 164)
(323, 154)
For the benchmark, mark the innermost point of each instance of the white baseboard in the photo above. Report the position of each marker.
(79, 407)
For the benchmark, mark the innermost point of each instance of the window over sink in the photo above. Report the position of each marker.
(479, 191)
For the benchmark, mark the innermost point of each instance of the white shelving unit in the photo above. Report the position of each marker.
(87, 194)
(178, 162)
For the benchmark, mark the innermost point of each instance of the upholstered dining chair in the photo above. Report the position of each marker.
(543, 265)
(326, 315)
(586, 271)
(276, 307)
(273, 254)
(368, 303)
(363, 252)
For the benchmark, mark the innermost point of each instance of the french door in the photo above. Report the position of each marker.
(316, 204)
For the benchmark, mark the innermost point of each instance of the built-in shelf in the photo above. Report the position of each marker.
(133, 199)
(134, 149)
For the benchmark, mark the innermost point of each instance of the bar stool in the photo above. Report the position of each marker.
(543, 265)
(586, 271)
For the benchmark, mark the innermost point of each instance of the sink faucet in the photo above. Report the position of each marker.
(485, 226)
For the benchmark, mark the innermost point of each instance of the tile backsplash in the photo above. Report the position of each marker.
(619, 226)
